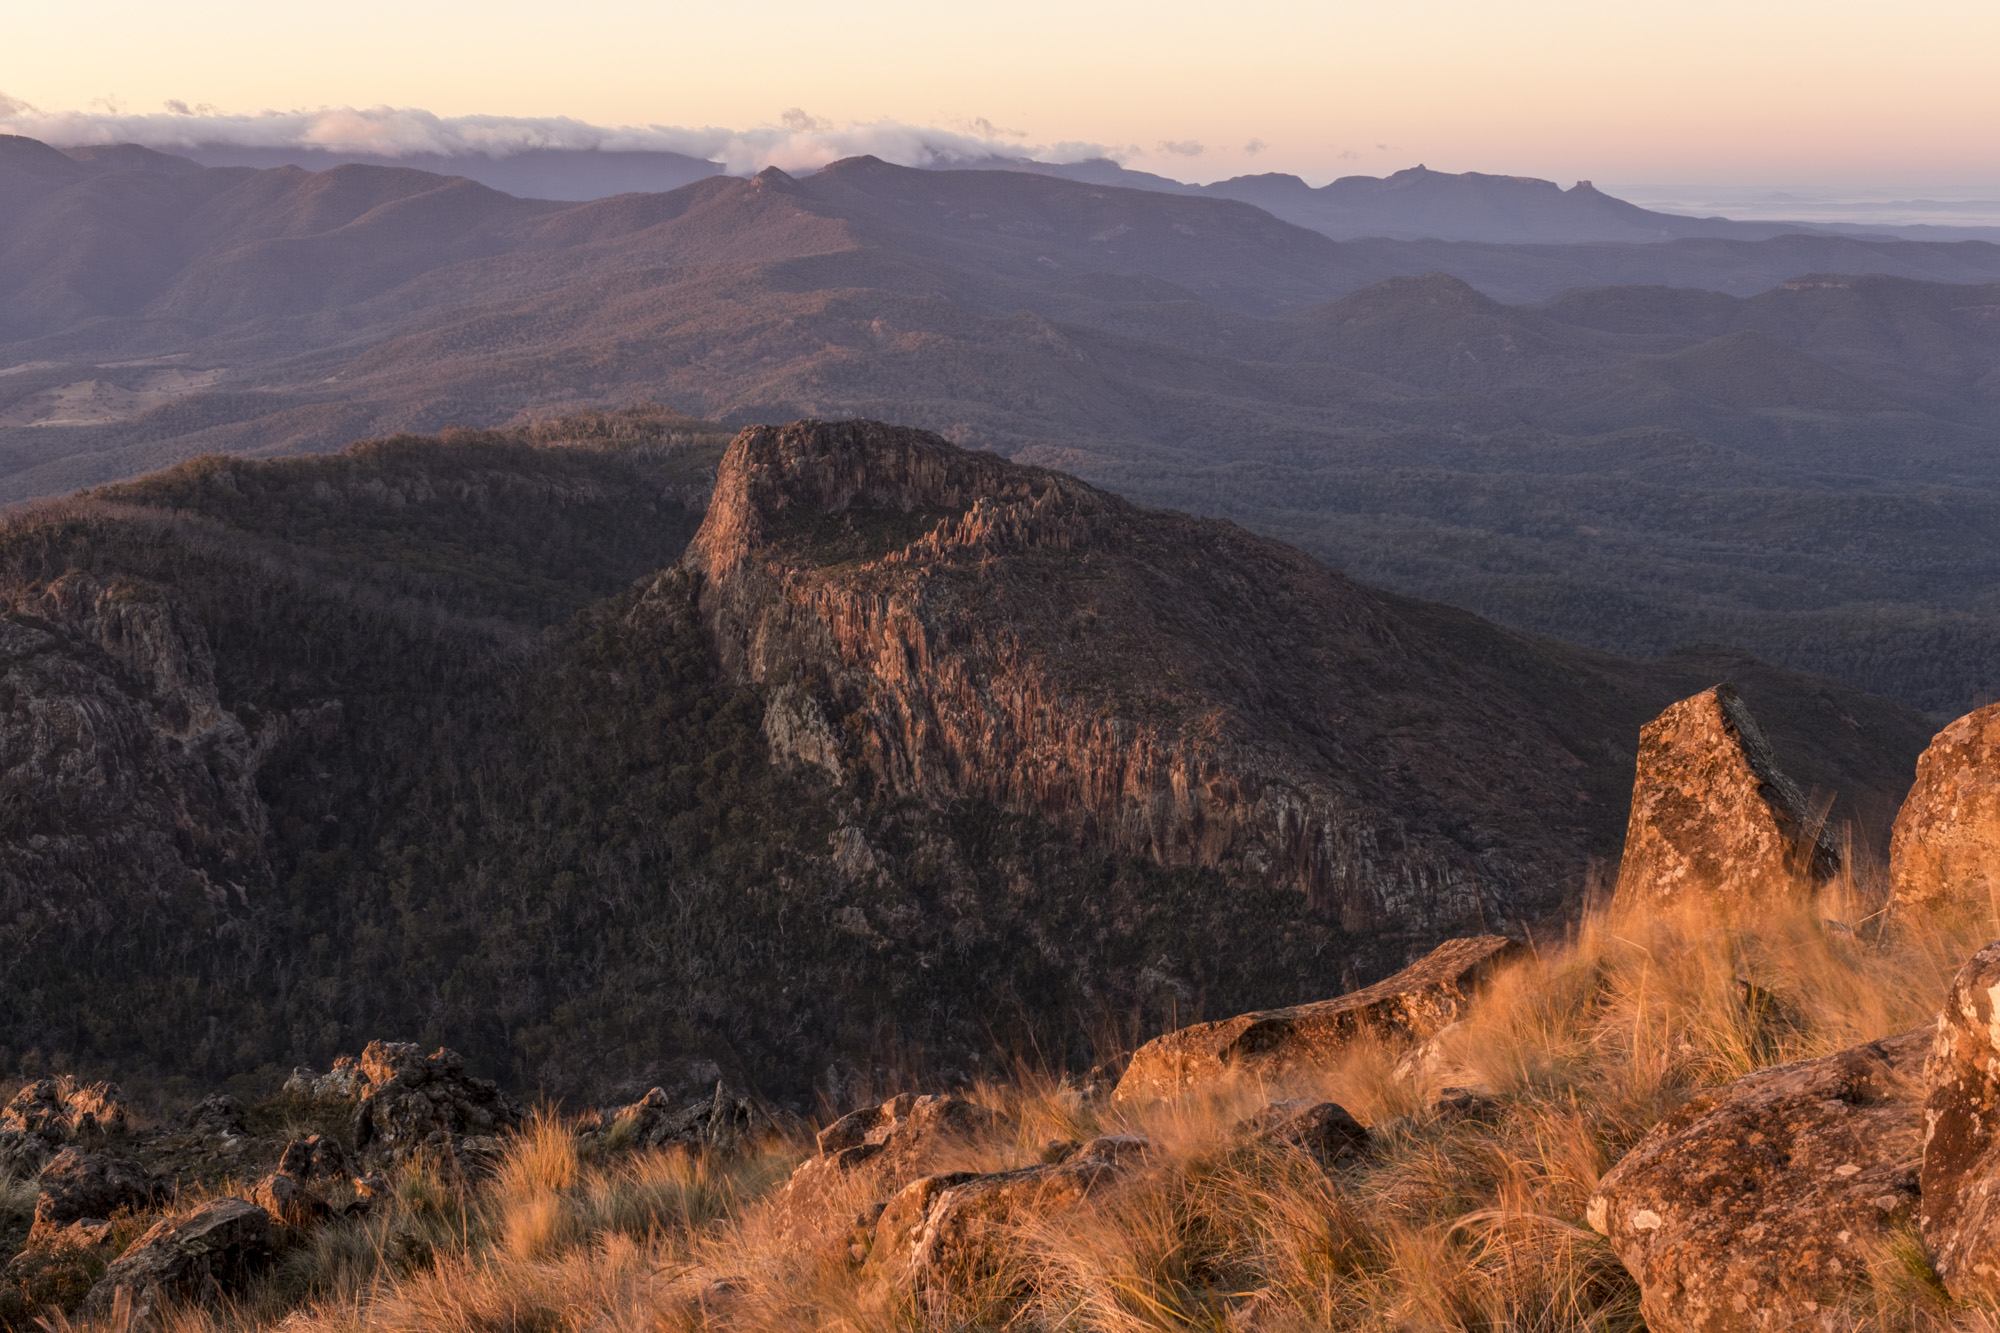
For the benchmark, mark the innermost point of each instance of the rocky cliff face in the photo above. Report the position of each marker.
(947, 625)
(128, 787)
(1164, 686)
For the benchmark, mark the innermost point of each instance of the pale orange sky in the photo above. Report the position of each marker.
(1833, 91)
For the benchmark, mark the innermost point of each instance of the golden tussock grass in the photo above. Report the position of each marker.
(1453, 1223)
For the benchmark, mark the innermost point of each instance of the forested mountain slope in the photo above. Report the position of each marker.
(445, 738)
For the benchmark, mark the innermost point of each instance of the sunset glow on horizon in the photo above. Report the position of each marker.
(1829, 92)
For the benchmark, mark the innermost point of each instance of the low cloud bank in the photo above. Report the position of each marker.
(799, 142)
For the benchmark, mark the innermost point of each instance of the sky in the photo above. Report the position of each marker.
(1746, 93)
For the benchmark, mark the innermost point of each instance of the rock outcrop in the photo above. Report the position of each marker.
(202, 1256)
(1755, 1206)
(1268, 1045)
(956, 626)
(405, 1101)
(955, 1229)
(715, 1123)
(48, 1114)
(1713, 814)
(877, 1150)
(112, 731)
(1946, 843)
(79, 1186)
(1961, 1161)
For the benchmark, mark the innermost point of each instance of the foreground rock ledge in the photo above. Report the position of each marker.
(1754, 1206)
(1272, 1043)
(1712, 814)
(1946, 846)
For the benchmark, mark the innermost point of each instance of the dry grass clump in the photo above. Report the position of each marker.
(1456, 1222)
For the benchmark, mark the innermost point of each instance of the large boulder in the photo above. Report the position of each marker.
(200, 1256)
(1712, 814)
(1272, 1043)
(1961, 1166)
(405, 1101)
(77, 1186)
(1946, 844)
(950, 1230)
(1754, 1206)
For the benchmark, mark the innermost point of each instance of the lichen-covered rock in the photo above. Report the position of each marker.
(78, 1185)
(405, 1101)
(877, 1150)
(1755, 1206)
(955, 1228)
(1713, 814)
(1961, 1159)
(1272, 1043)
(1946, 844)
(200, 1256)
(1323, 1131)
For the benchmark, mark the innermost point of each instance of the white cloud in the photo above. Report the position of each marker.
(1182, 147)
(800, 141)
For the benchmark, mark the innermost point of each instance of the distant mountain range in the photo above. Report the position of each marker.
(1413, 204)
(1419, 204)
(1632, 445)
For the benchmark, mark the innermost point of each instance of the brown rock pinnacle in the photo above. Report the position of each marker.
(1711, 812)
(1946, 847)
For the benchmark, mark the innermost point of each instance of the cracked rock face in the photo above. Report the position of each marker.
(1946, 845)
(1961, 1169)
(1411, 1005)
(1712, 814)
(1754, 1206)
